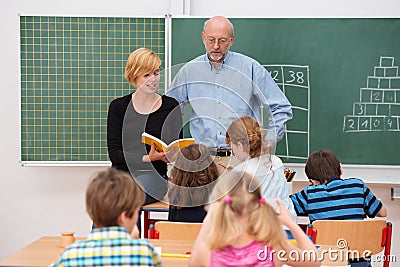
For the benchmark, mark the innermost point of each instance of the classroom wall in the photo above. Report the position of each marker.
(37, 201)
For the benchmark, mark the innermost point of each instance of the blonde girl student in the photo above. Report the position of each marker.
(242, 229)
(248, 143)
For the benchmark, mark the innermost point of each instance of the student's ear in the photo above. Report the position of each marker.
(341, 170)
(122, 218)
(240, 146)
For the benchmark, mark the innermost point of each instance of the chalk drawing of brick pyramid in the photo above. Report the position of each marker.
(379, 105)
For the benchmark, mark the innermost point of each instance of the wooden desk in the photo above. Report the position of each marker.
(46, 250)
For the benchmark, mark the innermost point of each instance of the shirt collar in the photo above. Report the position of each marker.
(110, 232)
(225, 61)
(333, 178)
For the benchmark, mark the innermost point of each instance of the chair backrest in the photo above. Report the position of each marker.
(359, 236)
(177, 230)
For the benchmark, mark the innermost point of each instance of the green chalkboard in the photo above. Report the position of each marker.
(340, 74)
(71, 68)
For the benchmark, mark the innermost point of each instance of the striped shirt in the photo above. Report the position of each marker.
(110, 246)
(348, 199)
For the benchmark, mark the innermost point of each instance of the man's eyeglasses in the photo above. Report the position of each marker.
(221, 41)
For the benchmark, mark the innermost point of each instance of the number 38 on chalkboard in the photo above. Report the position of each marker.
(288, 75)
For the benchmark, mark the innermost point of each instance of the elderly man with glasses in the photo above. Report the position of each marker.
(222, 86)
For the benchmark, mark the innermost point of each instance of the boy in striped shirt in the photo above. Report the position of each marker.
(331, 198)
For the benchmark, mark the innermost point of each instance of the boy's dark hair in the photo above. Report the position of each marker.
(322, 165)
(110, 193)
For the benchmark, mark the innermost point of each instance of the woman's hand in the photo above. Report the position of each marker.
(154, 155)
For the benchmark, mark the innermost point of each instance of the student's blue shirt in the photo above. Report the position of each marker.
(220, 96)
(339, 199)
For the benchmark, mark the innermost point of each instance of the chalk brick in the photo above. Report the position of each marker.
(377, 96)
(394, 83)
(389, 96)
(371, 109)
(392, 72)
(378, 123)
(392, 123)
(395, 109)
(383, 109)
(383, 83)
(387, 62)
(372, 82)
(365, 95)
(379, 72)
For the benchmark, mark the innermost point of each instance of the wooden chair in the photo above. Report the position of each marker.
(358, 235)
(177, 230)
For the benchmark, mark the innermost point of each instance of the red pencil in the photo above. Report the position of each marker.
(222, 165)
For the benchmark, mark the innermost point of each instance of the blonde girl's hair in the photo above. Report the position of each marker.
(110, 193)
(244, 195)
(142, 61)
(192, 176)
(247, 131)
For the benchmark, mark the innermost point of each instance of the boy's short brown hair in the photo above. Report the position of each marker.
(110, 193)
(322, 165)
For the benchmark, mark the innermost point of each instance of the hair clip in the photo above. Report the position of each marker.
(228, 199)
(262, 200)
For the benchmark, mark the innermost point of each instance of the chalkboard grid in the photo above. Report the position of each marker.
(71, 68)
(295, 84)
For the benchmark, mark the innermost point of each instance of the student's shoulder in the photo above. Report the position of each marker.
(276, 161)
(353, 180)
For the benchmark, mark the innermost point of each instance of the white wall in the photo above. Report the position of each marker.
(37, 201)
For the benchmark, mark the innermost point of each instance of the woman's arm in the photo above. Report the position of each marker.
(115, 118)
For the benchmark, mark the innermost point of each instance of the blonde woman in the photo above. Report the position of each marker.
(143, 110)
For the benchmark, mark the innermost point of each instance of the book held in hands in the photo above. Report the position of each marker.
(162, 146)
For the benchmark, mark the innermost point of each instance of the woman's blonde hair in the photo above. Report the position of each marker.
(110, 193)
(239, 195)
(140, 62)
(247, 131)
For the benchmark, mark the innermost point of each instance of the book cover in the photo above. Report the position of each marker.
(162, 146)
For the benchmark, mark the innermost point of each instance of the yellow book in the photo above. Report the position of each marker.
(162, 146)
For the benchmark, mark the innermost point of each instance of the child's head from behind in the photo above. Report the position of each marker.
(322, 165)
(246, 135)
(192, 176)
(111, 193)
(239, 197)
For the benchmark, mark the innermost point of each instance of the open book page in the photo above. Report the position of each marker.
(162, 146)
